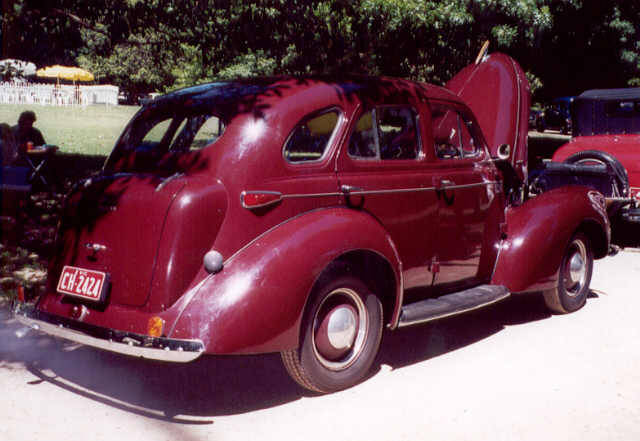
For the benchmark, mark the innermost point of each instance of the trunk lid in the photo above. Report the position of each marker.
(113, 224)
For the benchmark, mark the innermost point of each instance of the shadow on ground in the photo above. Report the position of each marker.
(215, 385)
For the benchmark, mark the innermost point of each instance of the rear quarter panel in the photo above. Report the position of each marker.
(255, 303)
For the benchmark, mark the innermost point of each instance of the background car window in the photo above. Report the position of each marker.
(310, 138)
(385, 133)
(451, 133)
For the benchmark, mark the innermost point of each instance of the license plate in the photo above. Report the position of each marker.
(83, 283)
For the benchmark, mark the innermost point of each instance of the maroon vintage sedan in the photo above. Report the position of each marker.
(304, 215)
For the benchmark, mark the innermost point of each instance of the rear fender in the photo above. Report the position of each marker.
(538, 232)
(255, 303)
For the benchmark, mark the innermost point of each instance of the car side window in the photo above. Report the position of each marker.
(310, 138)
(451, 133)
(388, 132)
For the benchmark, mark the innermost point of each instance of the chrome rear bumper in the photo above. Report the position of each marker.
(127, 343)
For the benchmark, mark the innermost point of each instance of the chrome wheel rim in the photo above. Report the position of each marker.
(576, 269)
(339, 329)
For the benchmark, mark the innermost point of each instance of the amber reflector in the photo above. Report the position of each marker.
(260, 199)
(155, 327)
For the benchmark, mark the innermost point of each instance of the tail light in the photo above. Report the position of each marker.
(155, 326)
(258, 199)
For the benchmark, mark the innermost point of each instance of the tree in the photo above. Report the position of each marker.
(144, 45)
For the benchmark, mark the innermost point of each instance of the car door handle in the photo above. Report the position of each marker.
(346, 189)
(446, 183)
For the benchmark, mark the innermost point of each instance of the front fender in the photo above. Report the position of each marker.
(539, 231)
(255, 303)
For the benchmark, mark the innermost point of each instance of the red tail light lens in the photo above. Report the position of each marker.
(257, 199)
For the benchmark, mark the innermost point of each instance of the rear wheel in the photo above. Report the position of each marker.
(570, 293)
(341, 333)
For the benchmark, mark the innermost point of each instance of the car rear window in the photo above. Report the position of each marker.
(159, 136)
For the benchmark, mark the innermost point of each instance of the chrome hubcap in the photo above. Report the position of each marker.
(339, 329)
(576, 271)
(342, 328)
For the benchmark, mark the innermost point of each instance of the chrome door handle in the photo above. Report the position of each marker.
(346, 189)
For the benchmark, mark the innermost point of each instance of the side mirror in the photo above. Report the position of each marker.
(504, 151)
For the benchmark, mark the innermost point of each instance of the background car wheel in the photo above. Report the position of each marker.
(576, 267)
(341, 333)
(615, 169)
(540, 125)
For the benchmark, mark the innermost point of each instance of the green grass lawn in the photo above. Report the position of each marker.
(90, 130)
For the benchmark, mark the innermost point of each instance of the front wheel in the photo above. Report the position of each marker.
(341, 333)
(570, 293)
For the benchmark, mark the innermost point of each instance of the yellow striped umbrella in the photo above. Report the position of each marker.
(65, 73)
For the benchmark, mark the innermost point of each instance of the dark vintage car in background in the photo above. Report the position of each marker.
(304, 215)
(607, 134)
(555, 116)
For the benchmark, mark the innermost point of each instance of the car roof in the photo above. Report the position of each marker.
(248, 91)
(611, 94)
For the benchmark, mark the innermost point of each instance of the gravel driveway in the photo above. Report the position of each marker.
(508, 372)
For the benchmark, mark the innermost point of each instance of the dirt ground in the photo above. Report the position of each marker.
(508, 372)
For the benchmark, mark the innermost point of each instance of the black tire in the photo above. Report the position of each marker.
(570, 293)
(319, 366)
(614, 167)
(540, 125)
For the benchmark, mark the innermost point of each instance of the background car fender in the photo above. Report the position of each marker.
(255, 303)
(538, 232)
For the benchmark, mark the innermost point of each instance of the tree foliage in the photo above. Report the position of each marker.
(142, 45)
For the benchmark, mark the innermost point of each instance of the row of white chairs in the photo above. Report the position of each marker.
(57, 95)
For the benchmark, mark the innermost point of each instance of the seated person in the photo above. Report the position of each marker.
(24, 132)
(9, 154)
(11, 173)
(14, 184)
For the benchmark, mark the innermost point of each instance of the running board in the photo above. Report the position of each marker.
(451, 304)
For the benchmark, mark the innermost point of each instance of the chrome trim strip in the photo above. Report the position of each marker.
(477, 184)
(450, 314)
(311, 195)
(358, 192)
(155, 348)
(391, 191)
